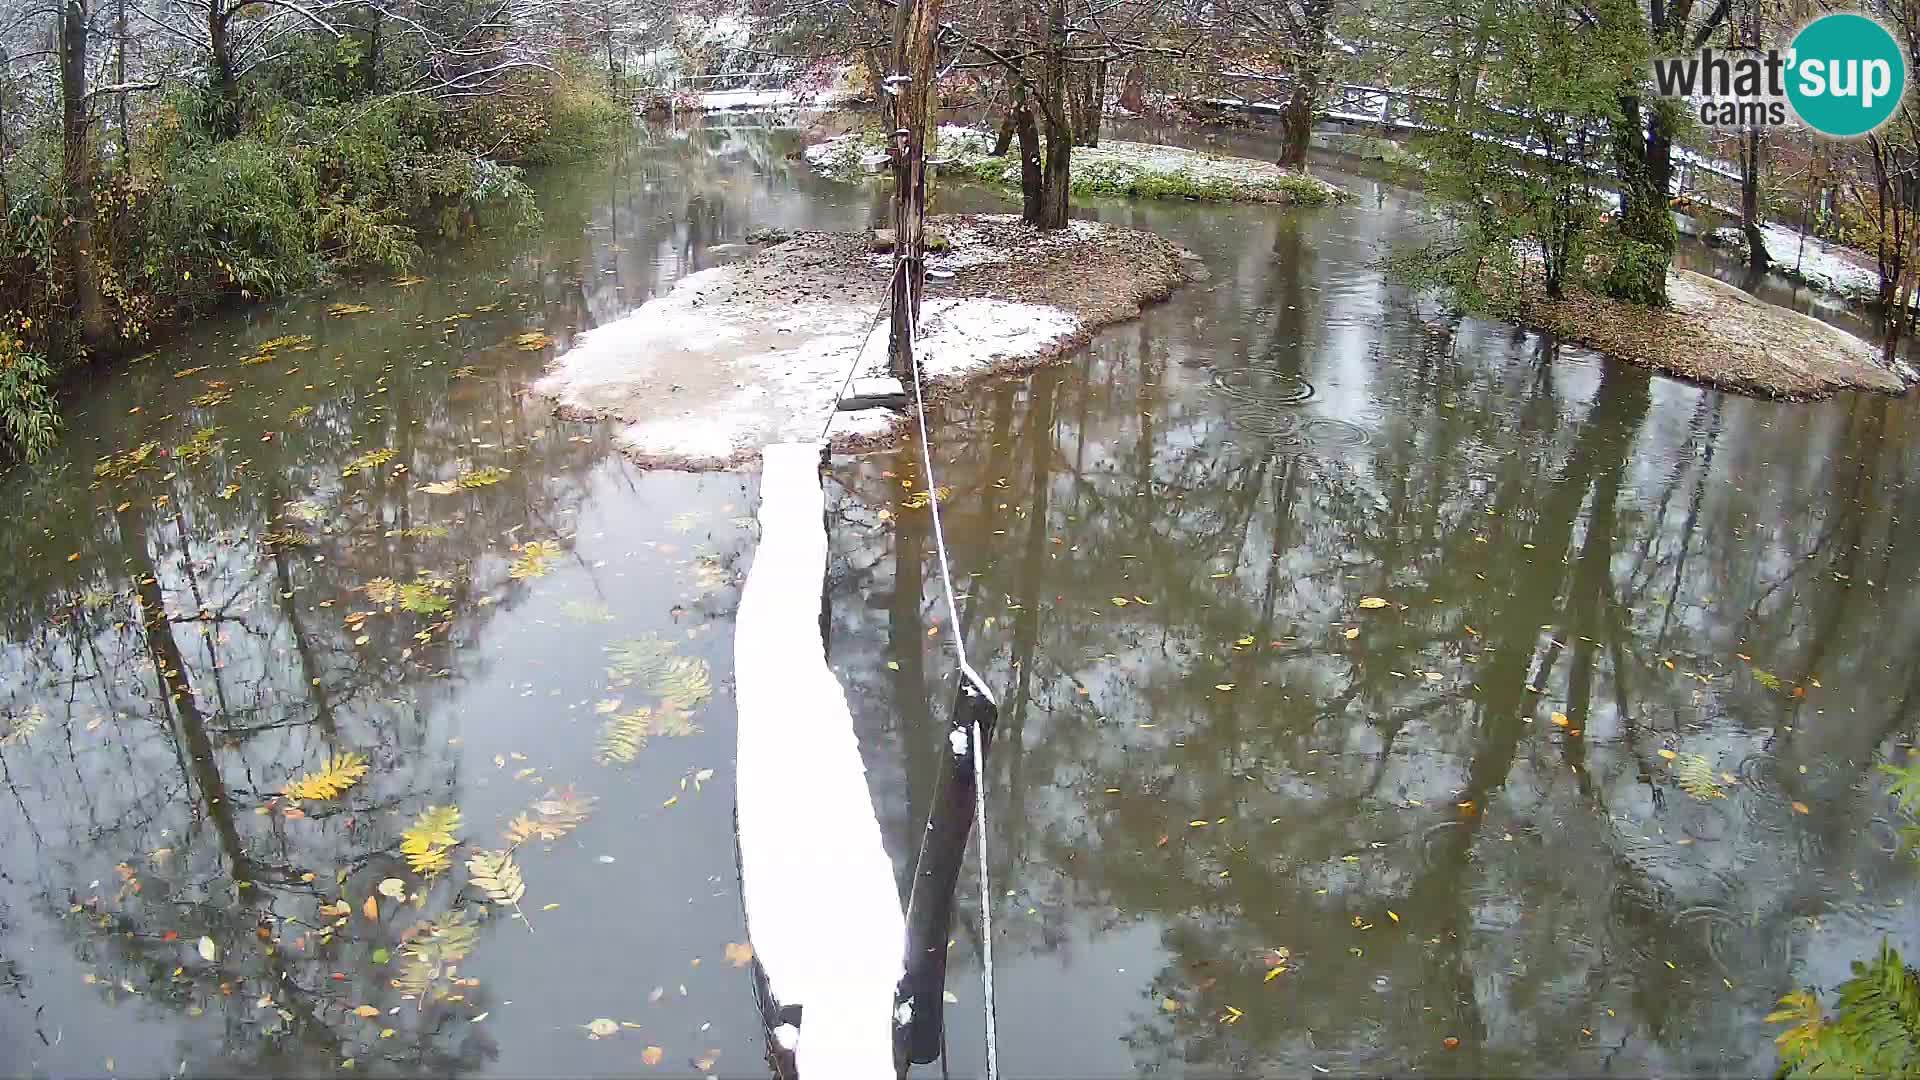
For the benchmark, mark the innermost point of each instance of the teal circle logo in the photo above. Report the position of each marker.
(1846, 75)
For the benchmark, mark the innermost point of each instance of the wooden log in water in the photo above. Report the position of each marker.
(920, 1007)
(823, 912)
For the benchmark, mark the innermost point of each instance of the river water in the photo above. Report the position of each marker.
(1245, 819)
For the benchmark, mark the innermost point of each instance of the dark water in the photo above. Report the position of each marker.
(1238, 770)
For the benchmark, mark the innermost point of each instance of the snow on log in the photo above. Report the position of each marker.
(823, 911)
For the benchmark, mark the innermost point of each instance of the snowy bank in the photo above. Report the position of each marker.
(1720, 336)
(1823, 266)
(1140, 170)
(756, 352)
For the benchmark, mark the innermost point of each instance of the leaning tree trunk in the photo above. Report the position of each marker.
(1643, 162)
(80, 284)
(1757, 257)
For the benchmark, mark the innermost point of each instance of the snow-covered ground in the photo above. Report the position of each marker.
(1821, 265)
(1113, 167)
(704, 380)
(726, 100)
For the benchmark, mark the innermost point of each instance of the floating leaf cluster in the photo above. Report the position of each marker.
(430, 960)
(555, 815)
(340, 310)
(372, 459)
(125, 463)
(473, 478)
(216, 393)
(498, 878)
(681, 684)
(205, 441)
(426, 842)
(330, 780)
(306, 510)
(1695, 774)
(532, 342)
(536, 559)
(23, 726)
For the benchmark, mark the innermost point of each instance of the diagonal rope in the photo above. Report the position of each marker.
(853, 368)
(972, 683)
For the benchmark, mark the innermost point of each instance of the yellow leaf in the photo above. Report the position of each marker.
(652, 1055)
(1392, 914)
(333, 777)
(1801, 808)
(1560, 719)
(1668, 754)
(1352, 632)
(371, 909)
(366, 1010)
(1275, 972)
(739, 955)
(1223, 686)
(1373, 602)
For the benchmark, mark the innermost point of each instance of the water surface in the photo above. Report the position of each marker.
(1450, 822)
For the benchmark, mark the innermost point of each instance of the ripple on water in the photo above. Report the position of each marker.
(1739, 943)
(1328, 433)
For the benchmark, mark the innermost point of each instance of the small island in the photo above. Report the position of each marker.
(759, 351)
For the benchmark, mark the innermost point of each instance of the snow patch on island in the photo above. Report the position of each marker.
(704, 378)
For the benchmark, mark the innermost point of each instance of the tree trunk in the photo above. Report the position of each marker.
(222, 95)
(1089, 100)
(1133, 89)
(1030, 180)
(1757, 257)
(1309, 71)
(120, 76)
(81, 285)
(1056, 172)
(375, 39)
(1004, 141)
(1643, 164)
(912, 110)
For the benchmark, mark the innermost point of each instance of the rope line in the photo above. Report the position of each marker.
(833, 410)
(973, 683)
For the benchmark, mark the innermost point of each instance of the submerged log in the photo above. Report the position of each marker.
(920, 1008)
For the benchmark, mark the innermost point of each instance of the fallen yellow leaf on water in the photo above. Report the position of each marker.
(1223, 686)
(739, 955)
(1275, 972)
(1668, 754)
(1392, 914)
(366, 1010)
(601, 1028)
(371, 909)
(386, 1033)
(652, 1055)
(1801, 808)
(1560, 719)
(1373, 602)
(1352, 632)
(1121, 601)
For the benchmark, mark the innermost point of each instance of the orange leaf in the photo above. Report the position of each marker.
(1801, 808)
(652, 1055)
(371, 909)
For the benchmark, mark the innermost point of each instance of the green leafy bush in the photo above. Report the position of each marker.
(28, 418)
(1875, 1027)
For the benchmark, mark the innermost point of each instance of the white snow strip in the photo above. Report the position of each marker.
(823, 913)
(704, 381)
(725, 100)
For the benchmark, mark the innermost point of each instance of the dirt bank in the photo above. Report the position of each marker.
(1720, 336)
(755, 352)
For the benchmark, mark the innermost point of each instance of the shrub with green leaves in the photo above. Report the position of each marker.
(1875, 1027)
(28, 418)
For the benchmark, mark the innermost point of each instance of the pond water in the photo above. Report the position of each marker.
(1244, 820)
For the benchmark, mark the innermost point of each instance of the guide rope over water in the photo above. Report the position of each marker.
(929, 907)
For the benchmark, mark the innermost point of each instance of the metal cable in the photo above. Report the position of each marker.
(973, 683)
